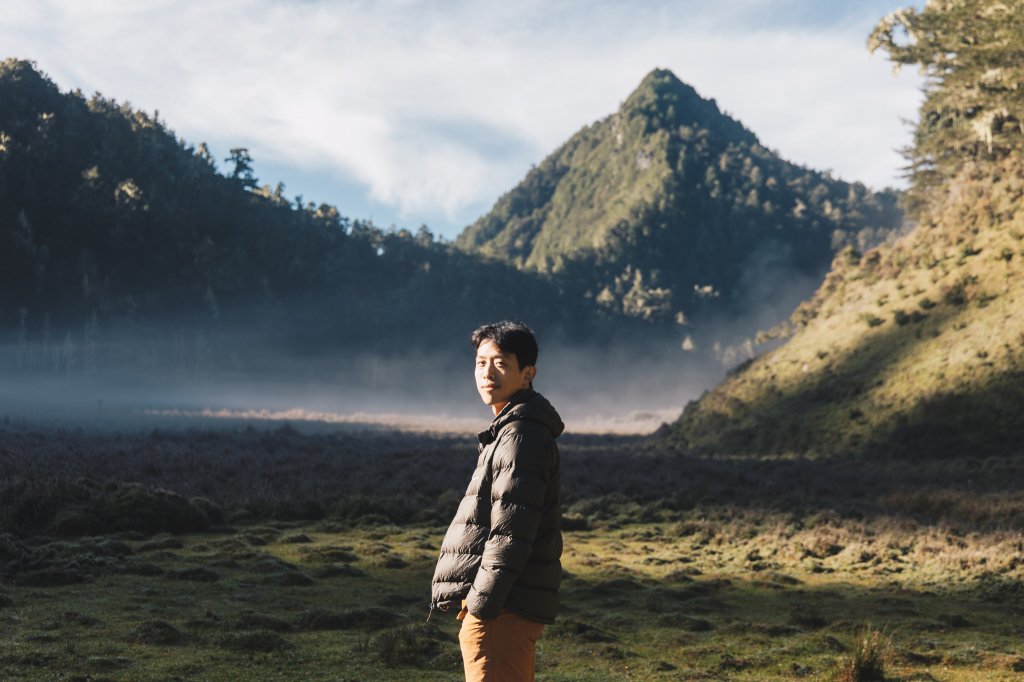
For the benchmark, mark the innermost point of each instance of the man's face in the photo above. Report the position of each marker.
(499, 376)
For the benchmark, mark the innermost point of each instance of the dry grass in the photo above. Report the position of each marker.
(677, 567)
(867, 662)
(645, 602)
(912, 348)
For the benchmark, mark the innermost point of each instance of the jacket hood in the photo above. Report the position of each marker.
(526, 404)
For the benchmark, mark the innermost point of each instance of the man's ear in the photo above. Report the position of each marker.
(531, 373)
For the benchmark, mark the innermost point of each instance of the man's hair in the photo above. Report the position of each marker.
(510, 337)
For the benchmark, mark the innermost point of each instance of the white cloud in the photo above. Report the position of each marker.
(435, 109)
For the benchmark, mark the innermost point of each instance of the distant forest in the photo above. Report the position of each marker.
(111, 227)
(121, 244)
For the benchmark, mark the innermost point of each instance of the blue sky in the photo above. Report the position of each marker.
(411, 112)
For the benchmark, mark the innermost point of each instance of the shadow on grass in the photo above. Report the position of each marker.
(972, 493)
(63, 482)
(776, 626)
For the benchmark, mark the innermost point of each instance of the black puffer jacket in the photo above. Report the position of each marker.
(503, 547)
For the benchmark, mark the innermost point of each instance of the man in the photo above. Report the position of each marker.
(500, 557)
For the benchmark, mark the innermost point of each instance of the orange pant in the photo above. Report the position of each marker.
(499, 650)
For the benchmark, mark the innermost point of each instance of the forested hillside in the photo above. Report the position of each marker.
(111, 227)
(917, 347)
(669, 209)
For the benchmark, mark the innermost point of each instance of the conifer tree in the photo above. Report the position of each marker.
(971, 53)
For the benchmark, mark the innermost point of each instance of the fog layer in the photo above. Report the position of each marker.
(618, 388)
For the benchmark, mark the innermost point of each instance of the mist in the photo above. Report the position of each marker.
(247, 366)
(227, 379)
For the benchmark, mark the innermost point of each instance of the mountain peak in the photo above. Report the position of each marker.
(669, 208)
(667, 102)
(663, 84)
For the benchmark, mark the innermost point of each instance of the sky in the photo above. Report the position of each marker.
(411, 112)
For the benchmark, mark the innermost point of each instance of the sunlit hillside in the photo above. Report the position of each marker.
(916, 347)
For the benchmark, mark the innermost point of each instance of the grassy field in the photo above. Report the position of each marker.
(677, 567)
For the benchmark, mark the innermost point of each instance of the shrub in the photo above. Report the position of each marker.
(871, 320)
(870, 653)
(261, 641)
(902, 318)
(261, 621)
(567, 628)
(985, 298)
(85, 507)
(957, 293)
(574, 522)
(366, 510)
(411, 645)
(260, 508)
(968, 250)
(370, 618)
(157, 633)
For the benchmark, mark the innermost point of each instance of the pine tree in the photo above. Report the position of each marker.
(971, 53)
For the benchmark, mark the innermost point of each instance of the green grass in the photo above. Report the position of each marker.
(677, 567)
(747, 597)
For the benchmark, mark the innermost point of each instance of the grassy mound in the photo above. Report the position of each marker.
(85, 507)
